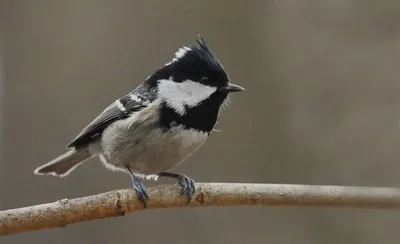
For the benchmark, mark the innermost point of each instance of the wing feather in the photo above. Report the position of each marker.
(120, 109)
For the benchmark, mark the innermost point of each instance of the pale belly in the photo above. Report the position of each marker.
(145, 148)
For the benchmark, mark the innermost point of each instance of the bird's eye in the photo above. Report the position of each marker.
(203, 79)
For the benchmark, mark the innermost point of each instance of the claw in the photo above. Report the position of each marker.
(139, 187)
(141, 192)
(188, 187)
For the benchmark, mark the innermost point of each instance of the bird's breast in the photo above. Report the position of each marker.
(167, 149)
(147, 148)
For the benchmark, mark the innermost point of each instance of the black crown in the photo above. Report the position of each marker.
(194, 62)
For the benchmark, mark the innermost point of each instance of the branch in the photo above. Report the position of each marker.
(119, 202)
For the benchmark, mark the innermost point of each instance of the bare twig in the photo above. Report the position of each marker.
(119, 202)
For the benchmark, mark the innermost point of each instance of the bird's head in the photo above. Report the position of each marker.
(193, 77)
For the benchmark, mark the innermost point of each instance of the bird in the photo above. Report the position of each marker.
(156, 126)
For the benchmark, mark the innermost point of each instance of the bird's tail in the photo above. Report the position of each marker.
(64, 164)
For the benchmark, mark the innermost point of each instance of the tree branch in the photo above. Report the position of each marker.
(119, 202)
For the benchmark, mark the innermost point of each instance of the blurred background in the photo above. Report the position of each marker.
(322, 106)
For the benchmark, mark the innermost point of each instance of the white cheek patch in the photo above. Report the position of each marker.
(187, 93)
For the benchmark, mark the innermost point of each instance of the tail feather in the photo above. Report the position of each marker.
(65, 163)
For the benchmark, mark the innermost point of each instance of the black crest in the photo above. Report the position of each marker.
(194, 62)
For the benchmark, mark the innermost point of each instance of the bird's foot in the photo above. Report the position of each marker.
(187, 186)
(140, 189)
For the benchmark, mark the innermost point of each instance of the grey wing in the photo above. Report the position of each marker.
(118, 110)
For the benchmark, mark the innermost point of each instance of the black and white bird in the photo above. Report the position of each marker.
(158, 125)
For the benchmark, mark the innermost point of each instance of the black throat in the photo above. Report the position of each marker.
(201, 117)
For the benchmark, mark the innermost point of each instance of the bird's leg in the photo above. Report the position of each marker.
(187, 185)
(139, 187)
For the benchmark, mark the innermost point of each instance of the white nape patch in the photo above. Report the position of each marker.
(179, 54)
(135, 98)
(187, 93)
(120, 106)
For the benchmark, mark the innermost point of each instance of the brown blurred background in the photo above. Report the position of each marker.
(322, 106)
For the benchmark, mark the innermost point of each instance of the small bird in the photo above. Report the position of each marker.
(156, 126)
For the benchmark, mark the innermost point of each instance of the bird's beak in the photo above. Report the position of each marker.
(231, 88)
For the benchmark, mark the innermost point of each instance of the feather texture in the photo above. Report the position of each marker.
(120, 109)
